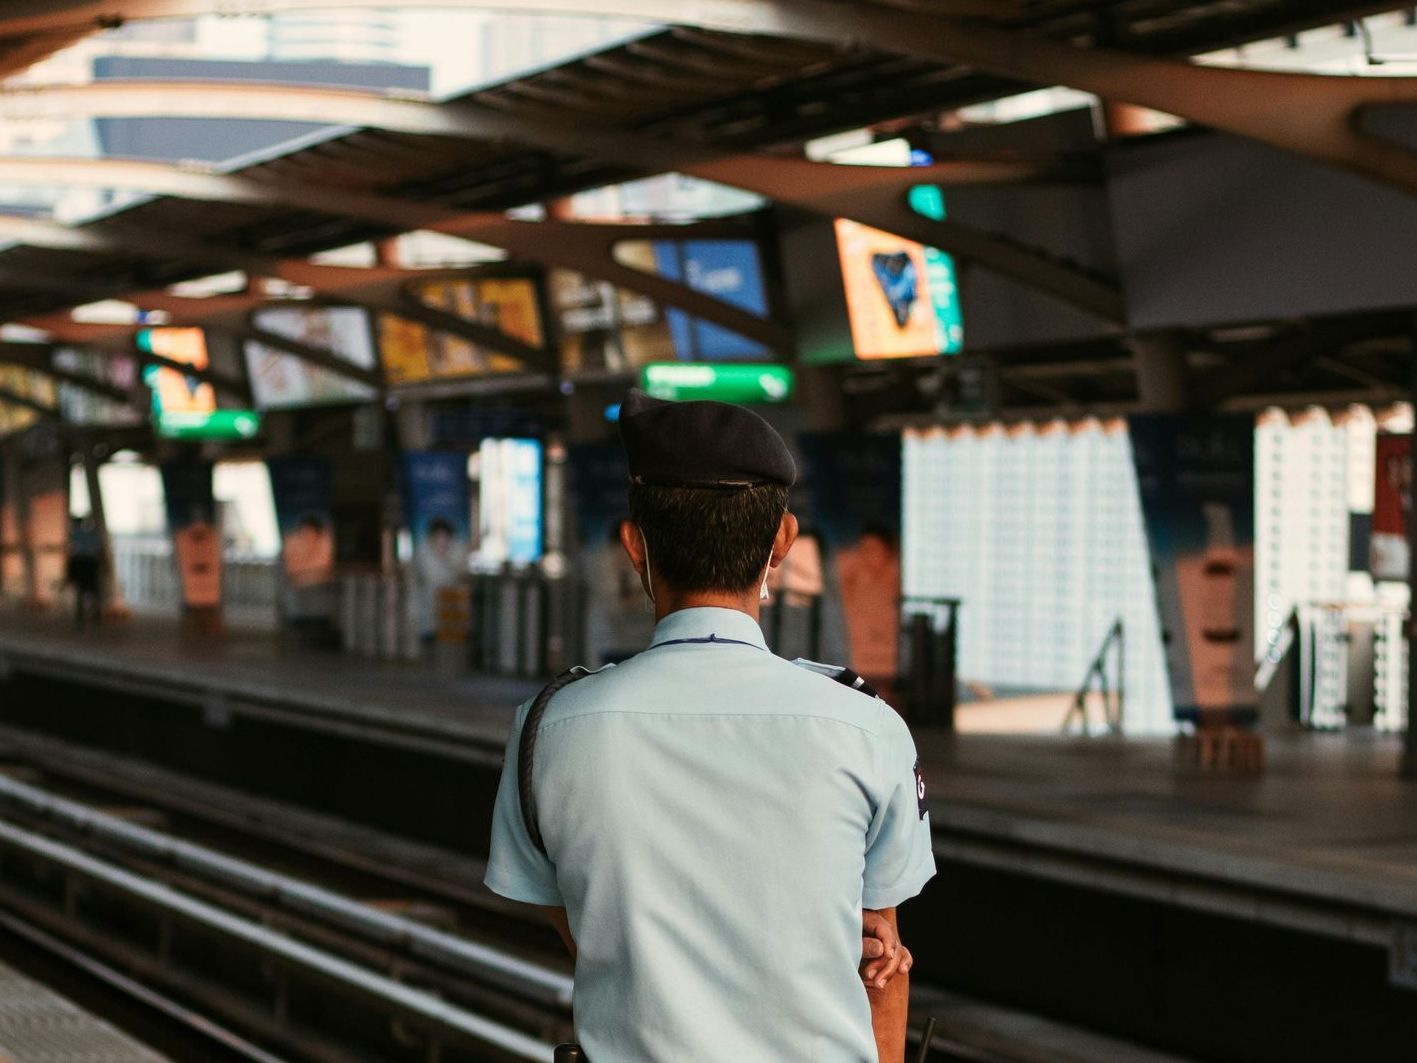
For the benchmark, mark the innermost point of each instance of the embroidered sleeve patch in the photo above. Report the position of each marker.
(920, 791)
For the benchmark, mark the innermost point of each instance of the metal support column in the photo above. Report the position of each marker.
(18, 491)
(1409, 755)
(112, 589)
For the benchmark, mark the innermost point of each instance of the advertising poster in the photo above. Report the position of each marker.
(438, 502)
(899, 301)
(175, 392)
(853, 485)
(280, 380)
(301, 487)
(1195, 479)
(604, 329)
(729, 270)
(82, 406)
(1392, 506)
(48, 488)
(196, 539)
(13, 570)
(414, 353)
(27, 384)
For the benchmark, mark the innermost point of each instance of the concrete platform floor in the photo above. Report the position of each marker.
(1328, 820)
(38, 1025)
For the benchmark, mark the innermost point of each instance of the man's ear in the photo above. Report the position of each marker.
(786, 536)
(634, 544)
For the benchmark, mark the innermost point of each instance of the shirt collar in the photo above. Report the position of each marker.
(703, 621)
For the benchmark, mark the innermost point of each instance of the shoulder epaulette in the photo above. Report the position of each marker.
(840, 674)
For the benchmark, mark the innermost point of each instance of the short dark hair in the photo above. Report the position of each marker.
(706, 538)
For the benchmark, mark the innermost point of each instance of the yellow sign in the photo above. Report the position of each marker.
(413, 352)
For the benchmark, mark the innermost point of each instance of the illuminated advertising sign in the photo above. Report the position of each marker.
(175, 392)
(414, 353)
(726, 383)
(728, 270)
(83, 406)
(509, 501)
(605, 328)
(25, 384)
(218, 425)
(901, 301)
(184, 405)
(280, 380)
(901, 297)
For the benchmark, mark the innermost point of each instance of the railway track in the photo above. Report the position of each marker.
(265, 964)
(273, 933)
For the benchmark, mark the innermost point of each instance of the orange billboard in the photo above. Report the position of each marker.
(414, 353)
(174, 391)
(887, 293)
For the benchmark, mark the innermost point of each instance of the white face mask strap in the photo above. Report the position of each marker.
(649, 576)
(763, 594)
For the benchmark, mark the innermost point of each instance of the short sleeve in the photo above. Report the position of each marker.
(899, 859)
(516, 868)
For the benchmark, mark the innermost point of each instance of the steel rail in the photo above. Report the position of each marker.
(410, 1002)
(530, 979)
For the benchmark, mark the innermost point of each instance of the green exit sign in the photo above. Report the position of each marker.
(726, 382)
(217, 425)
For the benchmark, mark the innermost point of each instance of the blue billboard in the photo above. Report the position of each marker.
(728, 270)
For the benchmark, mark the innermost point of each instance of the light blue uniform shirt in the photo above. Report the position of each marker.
(716, 818)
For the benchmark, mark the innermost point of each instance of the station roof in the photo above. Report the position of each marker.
(736, 91)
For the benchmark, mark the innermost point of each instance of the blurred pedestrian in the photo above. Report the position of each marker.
(84, 572)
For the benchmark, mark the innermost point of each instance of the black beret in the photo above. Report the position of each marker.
(701, 444)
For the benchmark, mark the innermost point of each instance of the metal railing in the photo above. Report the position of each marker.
(526, 977)
(1114, 647)
(147, 574)
(1335, 664)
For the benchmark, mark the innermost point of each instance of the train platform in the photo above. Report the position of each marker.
(38, 1025)
(258, 673)
(1324, 841)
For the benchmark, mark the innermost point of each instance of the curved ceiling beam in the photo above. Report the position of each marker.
(415, 114)
(184, 181)
(870, 194)
(1311, 115)
(552, 243)
(737, 16)
(383, 289)
(873, 195)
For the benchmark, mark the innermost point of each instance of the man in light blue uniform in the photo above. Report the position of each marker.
(713, 820)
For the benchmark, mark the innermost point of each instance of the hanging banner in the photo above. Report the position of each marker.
(47, 532)
(301, 487)
(196, 540)
(1392, 506)
(853, 485)
(1195, 479)
(437, 501)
